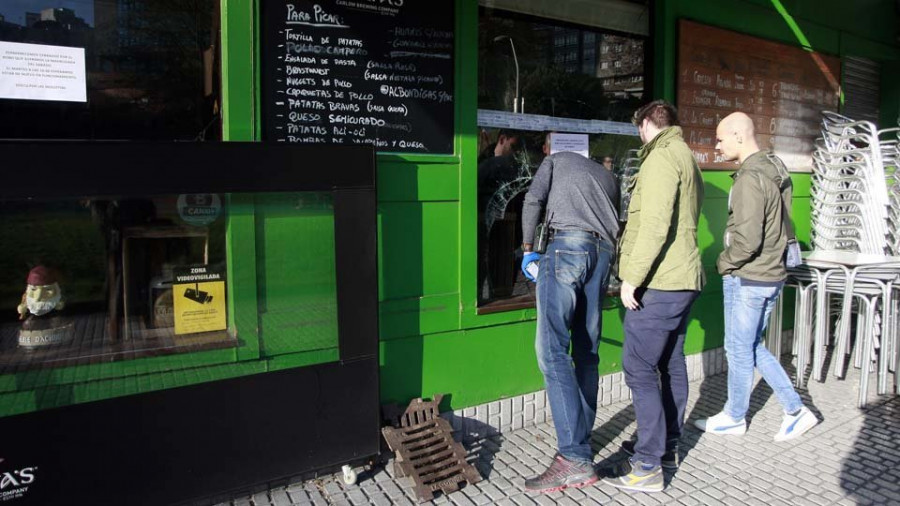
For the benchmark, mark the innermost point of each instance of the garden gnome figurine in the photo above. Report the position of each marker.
(42, 294)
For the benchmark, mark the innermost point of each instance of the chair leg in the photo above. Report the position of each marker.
(884, 356)
(867, 343)
(808, 303)
(820, 339)
(799, 319)
(799, 332)
(860, 331)
(773, 333)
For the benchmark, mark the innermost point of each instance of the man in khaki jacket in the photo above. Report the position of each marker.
(753, 273)
(661, 277)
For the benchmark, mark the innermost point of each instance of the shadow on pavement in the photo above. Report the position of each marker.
(714, 394)
(870, 474)
(606, 435)
(481, 441)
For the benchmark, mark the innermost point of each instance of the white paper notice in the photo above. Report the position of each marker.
(577, 143)
(36, 72)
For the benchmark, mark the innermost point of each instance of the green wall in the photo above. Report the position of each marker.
(432, 340)
(445, 346)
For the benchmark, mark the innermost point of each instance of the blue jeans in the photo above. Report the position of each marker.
(571, 284)
(747, 310)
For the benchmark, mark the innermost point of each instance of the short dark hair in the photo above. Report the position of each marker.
(659, 112)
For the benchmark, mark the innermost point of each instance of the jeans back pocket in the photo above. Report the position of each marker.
(570, 266)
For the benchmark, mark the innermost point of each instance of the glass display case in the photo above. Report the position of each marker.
(109, 278)
(176, 288)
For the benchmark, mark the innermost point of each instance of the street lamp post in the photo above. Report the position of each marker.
(516, 107)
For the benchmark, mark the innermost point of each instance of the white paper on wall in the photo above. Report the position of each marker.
(39, 72)
(576, 143)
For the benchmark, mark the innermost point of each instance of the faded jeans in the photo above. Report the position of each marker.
(571, 284)
(747, 310)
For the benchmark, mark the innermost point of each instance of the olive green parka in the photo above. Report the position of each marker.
(659, 246)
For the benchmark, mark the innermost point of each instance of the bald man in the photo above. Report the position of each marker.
(753, 273)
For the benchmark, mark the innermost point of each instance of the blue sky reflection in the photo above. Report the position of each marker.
(14, 10)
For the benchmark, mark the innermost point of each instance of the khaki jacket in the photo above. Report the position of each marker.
(756, 236)
(659, 247)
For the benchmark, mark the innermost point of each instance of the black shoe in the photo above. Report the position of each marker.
(670, 460)
(562, 473)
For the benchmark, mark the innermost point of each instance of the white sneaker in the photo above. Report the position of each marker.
(722, 424)
(797, 425)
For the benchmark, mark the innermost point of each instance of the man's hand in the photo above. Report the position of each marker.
(530, 256)
(626, 293)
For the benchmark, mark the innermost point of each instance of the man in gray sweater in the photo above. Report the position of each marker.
(581, 199)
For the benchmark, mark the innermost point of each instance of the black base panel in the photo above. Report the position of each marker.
(195, 442)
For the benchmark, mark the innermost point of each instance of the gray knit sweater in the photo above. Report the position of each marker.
(583, 196)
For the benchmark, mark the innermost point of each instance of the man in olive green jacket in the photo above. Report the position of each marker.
(661, 277)
(753, 273)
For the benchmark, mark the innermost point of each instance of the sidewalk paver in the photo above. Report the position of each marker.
(851, 457)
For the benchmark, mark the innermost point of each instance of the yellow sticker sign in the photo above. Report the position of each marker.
(199, 300)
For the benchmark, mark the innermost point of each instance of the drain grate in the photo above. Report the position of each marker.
(425, 451)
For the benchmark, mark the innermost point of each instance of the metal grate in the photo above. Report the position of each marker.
(425, 451)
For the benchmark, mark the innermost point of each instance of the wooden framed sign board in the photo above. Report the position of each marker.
(783, 88)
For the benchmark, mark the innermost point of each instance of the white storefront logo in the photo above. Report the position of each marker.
(14, 484)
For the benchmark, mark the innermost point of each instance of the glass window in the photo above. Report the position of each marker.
(565, 72)
(542, 48)
(508, 162)
(150, 69)
(110, 279)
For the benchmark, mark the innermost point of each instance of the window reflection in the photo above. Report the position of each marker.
(119, 278)
(152, 69)
(508, 160)
(564, 71)
(96, 277)
(558, 71)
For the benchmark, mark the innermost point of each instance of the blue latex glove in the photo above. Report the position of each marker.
(527, 259)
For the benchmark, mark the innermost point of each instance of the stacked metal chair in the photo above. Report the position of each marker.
(849, 193)
(892, 162)
(855, 211)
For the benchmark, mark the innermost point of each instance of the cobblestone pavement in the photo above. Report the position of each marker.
(851, 457)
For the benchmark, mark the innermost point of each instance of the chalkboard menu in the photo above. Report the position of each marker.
(783, 88)
(376, 72)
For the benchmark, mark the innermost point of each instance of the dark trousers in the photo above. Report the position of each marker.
(653, 360)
